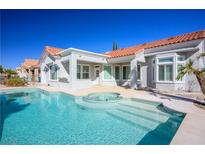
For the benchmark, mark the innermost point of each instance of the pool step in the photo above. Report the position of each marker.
(143, 108)
(147, 111)
(137, 121)
(163, 134)
(145, 101)
(158, 133)
(141, 105)
(143, 114)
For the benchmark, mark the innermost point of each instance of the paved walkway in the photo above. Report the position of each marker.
(192, 129)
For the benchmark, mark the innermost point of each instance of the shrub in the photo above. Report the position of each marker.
(15, 82)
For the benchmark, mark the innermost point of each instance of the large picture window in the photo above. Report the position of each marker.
(168, 67)
(53, 72)
(107, 72)
(83, 71)
(117, 72)
(126, 72)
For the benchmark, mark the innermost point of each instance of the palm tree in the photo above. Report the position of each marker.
(190, 69)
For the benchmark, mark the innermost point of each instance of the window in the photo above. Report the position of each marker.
(107, 72)
(126, 72)
(78, 71)
(86, 70)
(161, 73)
(165, 68)
(117, 72)
(83, 71)
(166, 72)
(53, 72)
(166, 59)
(168, 68)
(138, 72)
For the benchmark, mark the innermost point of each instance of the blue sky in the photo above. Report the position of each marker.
(24, 33)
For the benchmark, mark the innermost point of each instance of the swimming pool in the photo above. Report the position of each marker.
(34, 116)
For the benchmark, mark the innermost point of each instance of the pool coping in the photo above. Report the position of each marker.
(191, 130)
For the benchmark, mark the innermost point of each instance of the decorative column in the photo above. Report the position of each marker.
(29, 74)
(73, 70)
(133, 73)
(36, 75)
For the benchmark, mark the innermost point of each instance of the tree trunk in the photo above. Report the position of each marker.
(201, 80)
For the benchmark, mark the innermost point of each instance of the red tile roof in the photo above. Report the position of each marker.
(172, 40)
(30, 63)
(52, 50)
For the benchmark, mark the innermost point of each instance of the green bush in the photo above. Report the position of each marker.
(15, 82)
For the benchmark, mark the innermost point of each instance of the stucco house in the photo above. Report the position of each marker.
(153, 64)
(29, 70)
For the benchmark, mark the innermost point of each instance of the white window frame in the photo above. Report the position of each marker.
(111, 73)
(128, 75)
(165, 63)
(50, 73)
(174, 65)
(120, 75)
(81, 71)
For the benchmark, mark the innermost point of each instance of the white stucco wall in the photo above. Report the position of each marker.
(61, 73)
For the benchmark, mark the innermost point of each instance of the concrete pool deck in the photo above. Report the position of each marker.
(191, 130)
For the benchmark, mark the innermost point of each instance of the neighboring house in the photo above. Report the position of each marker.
(153, 64)
(3, 77)
(29, 70)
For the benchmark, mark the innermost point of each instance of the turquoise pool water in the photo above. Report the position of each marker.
(33, 116)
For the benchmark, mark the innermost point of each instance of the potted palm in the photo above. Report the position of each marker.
(190, 69)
